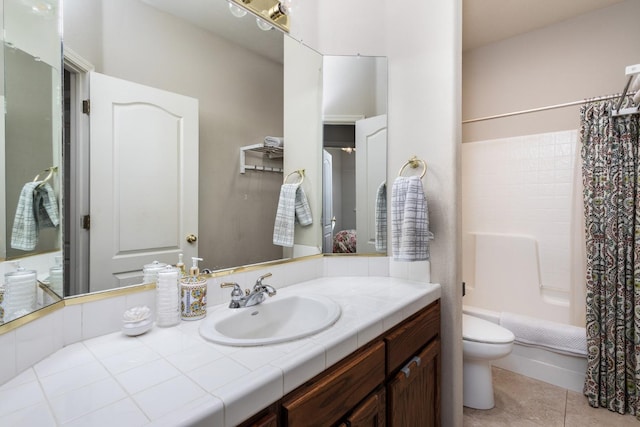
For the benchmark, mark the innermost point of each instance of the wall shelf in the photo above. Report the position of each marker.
(264, 151)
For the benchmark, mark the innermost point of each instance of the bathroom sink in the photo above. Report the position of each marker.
(279, 319)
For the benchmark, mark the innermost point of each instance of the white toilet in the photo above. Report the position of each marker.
(482, 342)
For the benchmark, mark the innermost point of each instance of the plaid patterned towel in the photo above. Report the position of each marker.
(409, 220)
(381, 218)
(37, 208)
(292, 206)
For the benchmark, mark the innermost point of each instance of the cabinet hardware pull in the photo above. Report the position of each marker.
(406, 370)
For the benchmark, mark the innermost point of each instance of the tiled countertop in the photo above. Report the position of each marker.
(172, 376)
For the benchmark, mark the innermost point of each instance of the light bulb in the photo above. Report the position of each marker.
(236, 10)
(263, 25)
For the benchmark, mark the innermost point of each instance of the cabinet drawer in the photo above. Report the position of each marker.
(325, 400)
(411, 336)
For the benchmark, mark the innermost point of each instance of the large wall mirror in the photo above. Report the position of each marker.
(246, 84)
(30, 152)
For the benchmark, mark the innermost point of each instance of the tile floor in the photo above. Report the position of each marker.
(523, 401)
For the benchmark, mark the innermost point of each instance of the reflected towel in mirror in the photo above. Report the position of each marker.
(381, 218)
(292, 205)
(37, 209)
(274, 141)
(409, 220)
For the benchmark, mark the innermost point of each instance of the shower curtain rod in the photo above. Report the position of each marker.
(548, 107)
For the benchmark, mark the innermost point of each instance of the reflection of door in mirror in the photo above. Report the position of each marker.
(371, 152)
(144, 179)
(328, 219)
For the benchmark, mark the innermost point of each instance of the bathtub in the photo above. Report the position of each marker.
(553, 367)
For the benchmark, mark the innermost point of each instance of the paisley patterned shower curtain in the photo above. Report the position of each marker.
(611, 177)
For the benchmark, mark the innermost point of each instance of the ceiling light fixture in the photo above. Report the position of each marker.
(236, 10)
(263, 25)
(268, 13)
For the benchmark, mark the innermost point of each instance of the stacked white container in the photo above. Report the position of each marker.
(168, 297)
(150, 271)
(20, 292)
(55, 277)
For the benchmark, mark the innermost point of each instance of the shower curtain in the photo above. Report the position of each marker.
(611, 175)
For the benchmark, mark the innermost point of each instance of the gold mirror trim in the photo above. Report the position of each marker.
(35, 315)
(98, 296)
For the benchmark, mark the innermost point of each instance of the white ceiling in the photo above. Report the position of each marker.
(488, 21)
(214, 16)
(483, 21)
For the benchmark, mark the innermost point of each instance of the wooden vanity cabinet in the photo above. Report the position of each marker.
(394, 381)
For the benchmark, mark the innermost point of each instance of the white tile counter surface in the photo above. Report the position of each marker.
(172, 376)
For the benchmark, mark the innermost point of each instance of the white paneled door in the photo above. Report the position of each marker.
(371, 172)
(144, 179)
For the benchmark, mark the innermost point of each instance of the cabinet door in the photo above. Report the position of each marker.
(331, 396)
(268, 420)
(370, 413)
(414, 393)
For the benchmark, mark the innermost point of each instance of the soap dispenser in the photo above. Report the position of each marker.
(193, 293)
(180, 266)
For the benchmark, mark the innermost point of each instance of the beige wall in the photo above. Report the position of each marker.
(569, 61)
(241, 102)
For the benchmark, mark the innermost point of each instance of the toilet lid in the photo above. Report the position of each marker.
(480, 330)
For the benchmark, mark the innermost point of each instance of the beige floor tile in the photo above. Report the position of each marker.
(520, 401)
(580, 414)
(525, 402)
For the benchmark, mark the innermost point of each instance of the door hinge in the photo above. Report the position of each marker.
(86, 222)
(86, 106)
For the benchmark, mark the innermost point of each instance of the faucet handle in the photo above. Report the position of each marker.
(236, 293)
(261, 278)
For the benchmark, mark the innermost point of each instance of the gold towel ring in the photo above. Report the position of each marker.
(299, 172)
(51, 171)
(414, 162)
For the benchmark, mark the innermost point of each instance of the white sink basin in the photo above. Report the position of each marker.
(278, 319)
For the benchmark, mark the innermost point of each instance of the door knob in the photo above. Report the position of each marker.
(191, 238)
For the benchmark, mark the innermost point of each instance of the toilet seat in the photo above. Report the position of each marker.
(482, 331)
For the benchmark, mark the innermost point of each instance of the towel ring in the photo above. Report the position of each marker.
(51, 171)
(299, 172)
(414, 162)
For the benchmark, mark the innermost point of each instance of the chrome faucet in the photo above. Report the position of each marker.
(249, 298)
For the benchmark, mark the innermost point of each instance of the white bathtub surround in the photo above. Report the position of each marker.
(161, 377)
(507, 278)
(524, 186)
(561, 369)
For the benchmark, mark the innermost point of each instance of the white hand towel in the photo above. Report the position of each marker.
(303, 211)
(381, 218)
(409, 220)
(274, 141)
(292, 206)
(37, 208)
